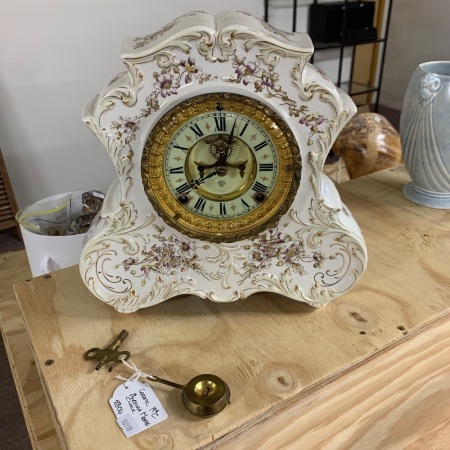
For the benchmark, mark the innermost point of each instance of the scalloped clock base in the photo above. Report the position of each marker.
(134, 266)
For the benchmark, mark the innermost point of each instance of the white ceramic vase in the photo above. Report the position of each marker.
(425, 133)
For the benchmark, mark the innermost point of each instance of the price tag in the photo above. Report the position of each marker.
(136, 407)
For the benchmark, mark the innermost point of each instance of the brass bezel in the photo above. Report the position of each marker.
(221, 230)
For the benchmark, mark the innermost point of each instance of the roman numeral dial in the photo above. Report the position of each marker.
(217, 162)
(223, 169)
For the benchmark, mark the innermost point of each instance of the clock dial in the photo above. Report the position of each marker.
(228, 189)
(220, 167)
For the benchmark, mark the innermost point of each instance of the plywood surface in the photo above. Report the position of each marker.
(273, 352)
(14, 268)
(398, 400)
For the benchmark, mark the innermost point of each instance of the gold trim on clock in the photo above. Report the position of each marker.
(263, 215)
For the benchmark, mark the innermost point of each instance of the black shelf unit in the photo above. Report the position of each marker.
(353, 88)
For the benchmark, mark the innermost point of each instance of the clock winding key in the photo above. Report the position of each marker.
(109, 353)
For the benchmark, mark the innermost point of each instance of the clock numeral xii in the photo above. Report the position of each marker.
(221, 124)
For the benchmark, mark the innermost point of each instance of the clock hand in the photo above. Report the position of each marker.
(224, 156)
(205, 166)
(221, 163)
(196, 183)
(201, 167)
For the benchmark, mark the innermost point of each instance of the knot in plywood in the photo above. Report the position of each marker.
(281, 380)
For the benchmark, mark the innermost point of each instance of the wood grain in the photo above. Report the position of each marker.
(14, 268)
(396, 407)
(280, 358)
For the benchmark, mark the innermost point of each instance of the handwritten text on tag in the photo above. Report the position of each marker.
(136, 407)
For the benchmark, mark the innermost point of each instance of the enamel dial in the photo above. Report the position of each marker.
(220, 167)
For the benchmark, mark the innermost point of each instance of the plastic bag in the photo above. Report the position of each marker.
(50, 216)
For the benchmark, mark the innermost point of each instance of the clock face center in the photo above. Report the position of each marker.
(222, 171)
(232, 177)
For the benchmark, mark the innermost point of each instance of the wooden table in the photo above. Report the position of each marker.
(370, 370)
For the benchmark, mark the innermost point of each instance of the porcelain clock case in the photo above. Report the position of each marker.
(219, 130)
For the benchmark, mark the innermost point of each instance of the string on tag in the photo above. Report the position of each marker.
(134, 403)
(136, 375)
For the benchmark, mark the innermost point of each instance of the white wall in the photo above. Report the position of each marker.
(419, 32)
(54, 57)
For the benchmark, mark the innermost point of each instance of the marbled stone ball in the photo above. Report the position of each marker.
(368, 143)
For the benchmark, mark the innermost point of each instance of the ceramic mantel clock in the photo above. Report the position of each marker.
(219, 130)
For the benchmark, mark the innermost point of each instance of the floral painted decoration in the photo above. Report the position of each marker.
(267, 80)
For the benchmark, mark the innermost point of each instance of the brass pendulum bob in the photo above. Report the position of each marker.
(204, 395)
